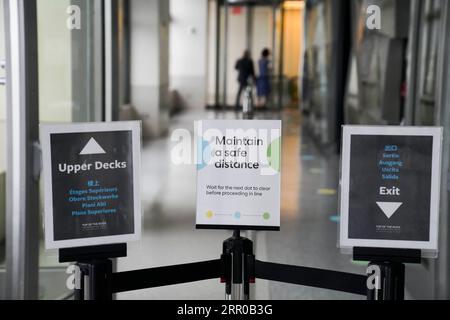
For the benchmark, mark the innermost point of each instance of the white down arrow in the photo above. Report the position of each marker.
(389, 208)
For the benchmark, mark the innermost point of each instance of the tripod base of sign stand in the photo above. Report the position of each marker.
(93, 276)
(391, 266)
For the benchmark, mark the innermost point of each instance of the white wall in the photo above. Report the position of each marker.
(149, 63)
(262, 31)
(188, 48)
(211, 48)
(144, 39)
(69, 86)
(2, 131)
(55, 61)
(237, 43)
(2, 99)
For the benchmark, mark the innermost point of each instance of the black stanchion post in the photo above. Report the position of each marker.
(100, 272)
(249, 268)
(389, 267)
(237, 266)
(395, 281)
(240, 251)
(391, 284)
(226, 268)
(95, 263)
(79, 282)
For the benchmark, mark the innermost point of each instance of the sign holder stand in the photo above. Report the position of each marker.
(239, 267)
(391, 263)
(95, 263)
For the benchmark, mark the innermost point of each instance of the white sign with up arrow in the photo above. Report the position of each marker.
(92, 183)
(92, 147)
(390, 187)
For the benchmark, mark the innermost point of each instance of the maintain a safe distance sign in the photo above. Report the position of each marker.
(238, 174)
(390, 187)
(91, 180)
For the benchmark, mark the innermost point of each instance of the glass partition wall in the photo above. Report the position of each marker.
(54, 53)
(70, 90)
(3, 149)
(427, 104)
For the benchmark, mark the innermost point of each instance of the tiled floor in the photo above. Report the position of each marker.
(308, 233)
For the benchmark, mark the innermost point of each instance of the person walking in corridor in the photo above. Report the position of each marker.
(263, 83)
(246, 71)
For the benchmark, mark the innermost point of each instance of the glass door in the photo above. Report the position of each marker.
(428, 105)
(3, 149)
(427, 112)
(235, 28)
(70, 49)
(54, 68)
(21, 151)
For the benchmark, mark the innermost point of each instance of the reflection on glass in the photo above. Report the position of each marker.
(429, 51)
(70, 71)
(317, 59)
(2, 158)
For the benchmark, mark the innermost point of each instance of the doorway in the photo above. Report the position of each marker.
(236, 26)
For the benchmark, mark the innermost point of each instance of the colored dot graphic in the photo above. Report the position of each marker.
(327, 192)
(266, 216)
(237, 215)
(209, 214)
(335, 218)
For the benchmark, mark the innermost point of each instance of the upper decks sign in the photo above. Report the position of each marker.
(91, 179)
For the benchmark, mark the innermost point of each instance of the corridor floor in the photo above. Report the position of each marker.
(309, 220)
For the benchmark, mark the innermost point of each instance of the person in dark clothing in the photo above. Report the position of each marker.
(263, 82)
(246, 71)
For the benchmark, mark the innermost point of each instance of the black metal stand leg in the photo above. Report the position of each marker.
(391, 282)
(100, 280)
(240, 251)
(225, 274)
(99, 273)
(395, 281)
(237, 274)
(249, 274)
(237, 254)
(79, 282)
(93, 262)
(249, 267)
